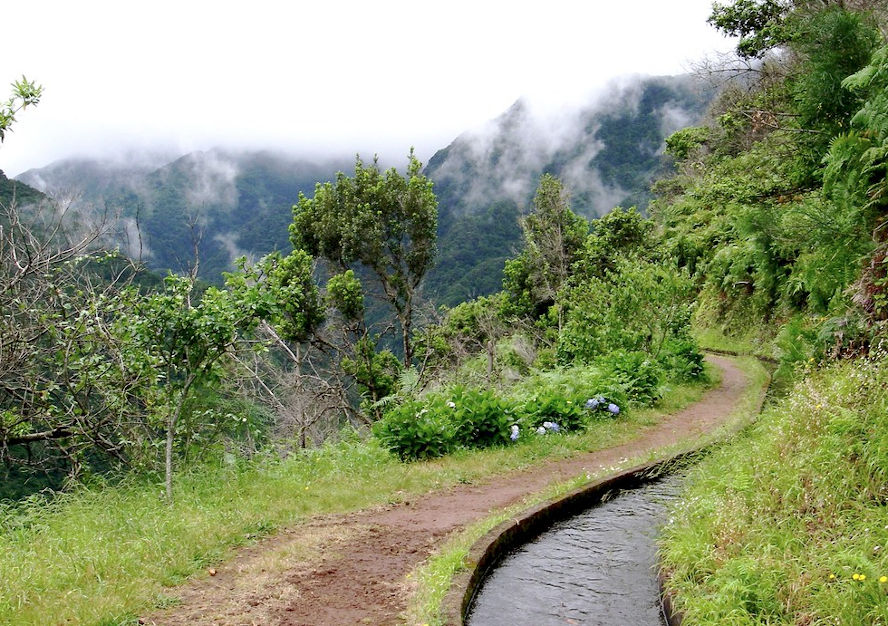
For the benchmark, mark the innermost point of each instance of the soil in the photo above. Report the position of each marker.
(352, 569)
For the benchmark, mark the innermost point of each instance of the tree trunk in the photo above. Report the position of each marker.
(406, 323)
(172, 420)
(171, 431)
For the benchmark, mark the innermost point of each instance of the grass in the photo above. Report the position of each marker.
(104, 554)
(433, 578)
(789, 524)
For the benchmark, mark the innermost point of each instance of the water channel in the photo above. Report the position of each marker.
(597, 567)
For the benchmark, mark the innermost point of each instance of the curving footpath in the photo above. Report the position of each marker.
(360, 576)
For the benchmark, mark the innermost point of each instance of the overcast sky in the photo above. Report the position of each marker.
(325, 77)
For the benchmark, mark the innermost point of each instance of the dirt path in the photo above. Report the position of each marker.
(351, 569)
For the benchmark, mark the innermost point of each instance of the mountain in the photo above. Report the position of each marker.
(17, 192)
(221, 204)
(224, 204)
(607, 153)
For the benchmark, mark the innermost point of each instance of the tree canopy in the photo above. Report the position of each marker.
(384, 222)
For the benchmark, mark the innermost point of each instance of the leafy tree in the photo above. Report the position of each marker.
(760, 24)
(375, 371)
(615, 234)
(289, 363)
(553, 237)
(381, 221)
(636, 306)
(182, 342)
(467, 329)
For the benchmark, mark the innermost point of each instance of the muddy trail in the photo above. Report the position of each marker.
(352, 569)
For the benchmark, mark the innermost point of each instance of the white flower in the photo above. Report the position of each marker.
(451, 404)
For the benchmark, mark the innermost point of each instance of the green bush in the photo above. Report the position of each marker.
(481, 418)
(681, 359)
(552, 406)
(470, 418)
(418, 429)
(638, 374)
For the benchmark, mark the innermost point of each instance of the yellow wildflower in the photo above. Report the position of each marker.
(863, 577)
(883, 579)
(856, 577)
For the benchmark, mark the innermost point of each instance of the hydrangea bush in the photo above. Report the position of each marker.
(462, 418)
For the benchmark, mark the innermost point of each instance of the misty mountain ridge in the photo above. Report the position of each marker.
(602, 152)
(607, 153)
(225, 203)
(222, 203)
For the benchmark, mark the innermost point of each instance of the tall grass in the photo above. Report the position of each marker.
(790, 523)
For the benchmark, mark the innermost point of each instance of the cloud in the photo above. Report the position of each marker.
(212, 178)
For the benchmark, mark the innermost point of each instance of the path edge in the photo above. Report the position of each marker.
(489, 550)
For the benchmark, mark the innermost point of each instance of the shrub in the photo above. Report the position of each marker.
(418, 430)
(553, 406)
(639, 375)
(481, 418)
(682, 360)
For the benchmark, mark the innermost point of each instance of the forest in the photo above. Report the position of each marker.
(323, 368)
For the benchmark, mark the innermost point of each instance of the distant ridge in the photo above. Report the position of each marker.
(229, 203)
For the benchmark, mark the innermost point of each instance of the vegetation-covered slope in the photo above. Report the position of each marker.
(788, 524)
(778, 210)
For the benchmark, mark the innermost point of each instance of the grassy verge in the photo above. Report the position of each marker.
(433, 578)
(789, 524)
(104, 554)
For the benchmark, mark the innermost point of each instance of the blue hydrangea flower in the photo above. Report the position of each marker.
(514, 435)
(551, 426)
(613, 408)
(592, 404)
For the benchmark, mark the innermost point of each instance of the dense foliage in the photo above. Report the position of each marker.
(775, 209)
(777, 212)
(607, 307)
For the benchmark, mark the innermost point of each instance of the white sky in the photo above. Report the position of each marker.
(325, 77)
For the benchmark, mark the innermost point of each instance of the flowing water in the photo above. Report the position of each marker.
(595, 568)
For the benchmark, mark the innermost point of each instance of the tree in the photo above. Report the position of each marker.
(284, 368)
(553, 238)
(760, 24)
(183, 342)
(382, 221)
(375, 371)
(65, 396)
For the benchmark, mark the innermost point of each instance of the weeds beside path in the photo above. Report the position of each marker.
(353, 568)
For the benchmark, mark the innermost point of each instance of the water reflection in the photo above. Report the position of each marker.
(595, 568)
